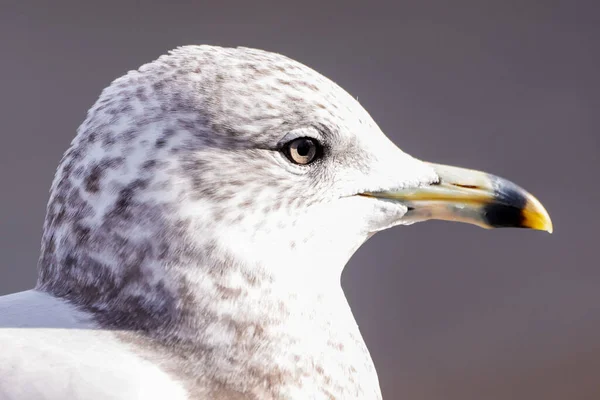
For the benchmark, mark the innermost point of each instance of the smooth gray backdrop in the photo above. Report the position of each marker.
(449, 311)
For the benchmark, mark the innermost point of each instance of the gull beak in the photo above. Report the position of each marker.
(473, 197)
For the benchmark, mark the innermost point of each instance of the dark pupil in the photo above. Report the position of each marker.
(303, 148)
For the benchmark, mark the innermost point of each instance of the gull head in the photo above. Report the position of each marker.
(209, 158)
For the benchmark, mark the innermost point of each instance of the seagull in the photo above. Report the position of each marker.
(197, 228)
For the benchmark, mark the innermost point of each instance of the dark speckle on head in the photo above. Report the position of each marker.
(125, 198)
(92, 181)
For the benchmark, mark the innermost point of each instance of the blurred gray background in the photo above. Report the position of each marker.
(449, 311)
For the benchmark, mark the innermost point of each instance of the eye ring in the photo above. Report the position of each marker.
(303, 150)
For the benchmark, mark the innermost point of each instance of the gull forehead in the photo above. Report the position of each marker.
(206, 208)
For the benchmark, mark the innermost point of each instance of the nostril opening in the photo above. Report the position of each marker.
(466, 186)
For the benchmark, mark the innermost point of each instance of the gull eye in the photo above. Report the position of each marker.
(302, 150)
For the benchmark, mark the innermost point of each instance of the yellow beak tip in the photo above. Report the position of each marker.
(536, 217)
